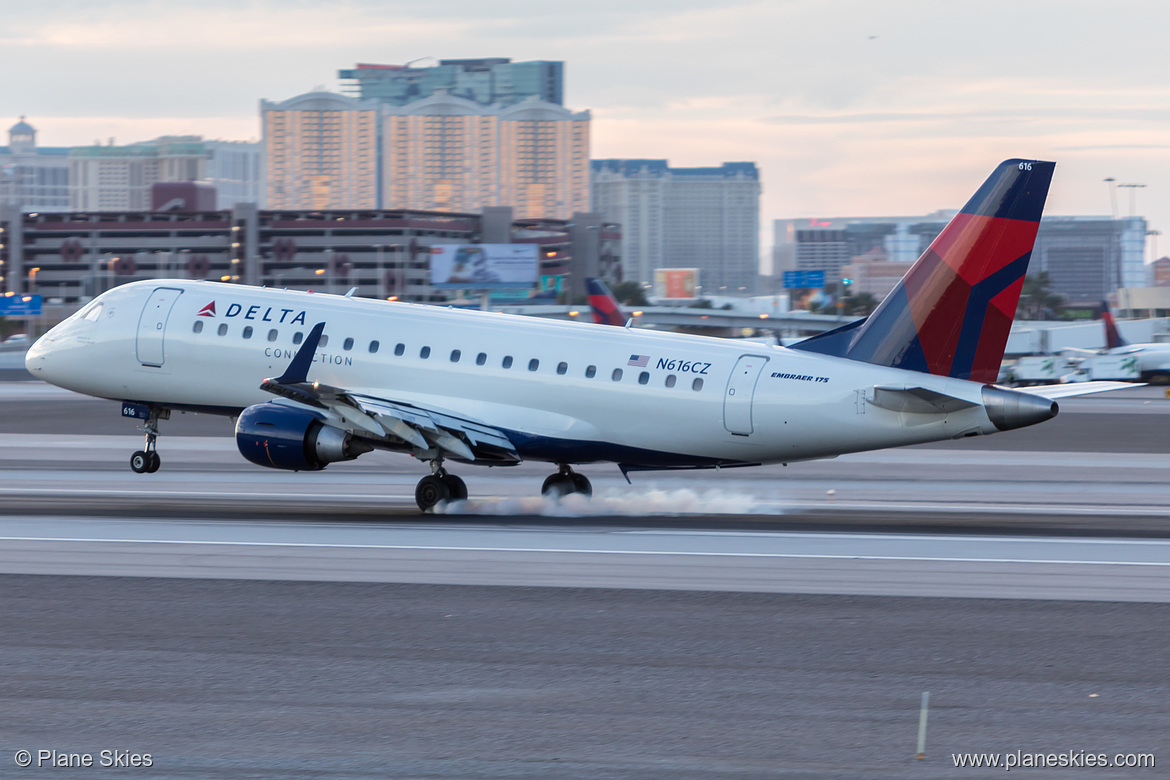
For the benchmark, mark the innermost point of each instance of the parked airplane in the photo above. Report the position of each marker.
(606, 309)
(348, 375)
(1153, 358)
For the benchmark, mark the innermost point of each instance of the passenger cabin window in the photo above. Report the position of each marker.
(223, 329)
(298, 337)
(272, 334)
(424, 353)
(533, 364)
(670, 380)
(399, 349)
(247, 331)
(643, 377)
(455, 355)
(481, 358)
(562, 367)
(347, 344)
(507, 363)
(591, 372)
(324, 340)
(198, 326)
(617, 375)
(373, 346)
(697, 385)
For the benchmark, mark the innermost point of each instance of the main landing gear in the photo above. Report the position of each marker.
(439, 486)
(565, 482)
(147, 461)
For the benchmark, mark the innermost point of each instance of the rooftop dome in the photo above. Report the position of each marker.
(22, 128)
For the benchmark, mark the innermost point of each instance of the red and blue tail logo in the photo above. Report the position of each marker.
(606, 309)
(952, 312)
(1113, 338)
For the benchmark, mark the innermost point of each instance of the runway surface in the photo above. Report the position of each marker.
(746, 624)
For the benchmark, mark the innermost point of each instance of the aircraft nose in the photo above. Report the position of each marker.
(44, 359)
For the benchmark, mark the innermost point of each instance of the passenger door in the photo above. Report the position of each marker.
(741, 387)
(152, 325)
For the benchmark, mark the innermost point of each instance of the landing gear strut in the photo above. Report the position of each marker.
(147, 461)
(564, 482)
(439, 486)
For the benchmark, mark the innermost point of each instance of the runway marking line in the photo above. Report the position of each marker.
(694, 554)
(1049, 509)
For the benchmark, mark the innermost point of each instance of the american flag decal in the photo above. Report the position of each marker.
(639, 360)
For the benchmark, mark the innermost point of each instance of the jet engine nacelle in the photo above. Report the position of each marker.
(283, 437)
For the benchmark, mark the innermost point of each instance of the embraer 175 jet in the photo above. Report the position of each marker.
(346, 376)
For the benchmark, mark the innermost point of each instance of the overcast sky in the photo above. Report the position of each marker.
(849, 107)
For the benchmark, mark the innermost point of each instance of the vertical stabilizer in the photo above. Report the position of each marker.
(606, 309)
(1113, 338)
(952, 312)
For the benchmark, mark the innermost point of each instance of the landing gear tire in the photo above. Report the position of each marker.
(564, 482)
(455, 486)
(155, 462)
(140, 462)
(431, 490)
(581, 485)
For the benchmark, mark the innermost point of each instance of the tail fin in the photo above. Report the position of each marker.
(952, 312)
(606, 309)
(1113, 337)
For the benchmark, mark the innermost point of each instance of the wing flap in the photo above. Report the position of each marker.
(429, 431)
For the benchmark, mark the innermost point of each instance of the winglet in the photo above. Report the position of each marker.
(298, 369)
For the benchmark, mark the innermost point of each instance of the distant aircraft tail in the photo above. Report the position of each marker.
(952, 312)
(606, 309)
(1113, 337)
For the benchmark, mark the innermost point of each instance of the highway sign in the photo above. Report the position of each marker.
(20, 305)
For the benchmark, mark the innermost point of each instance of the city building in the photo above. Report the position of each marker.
(1086, 258)
(321, 152)
(705, 218)
(492, 81)
(449, 153)
(871, 273)
(119, 178)
(235, 169)
(33, 178)
(1160, 269)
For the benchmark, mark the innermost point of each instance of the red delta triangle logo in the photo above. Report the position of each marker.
(207, 311)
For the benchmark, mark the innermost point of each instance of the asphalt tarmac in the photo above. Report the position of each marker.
(328, 680)
(679, 673)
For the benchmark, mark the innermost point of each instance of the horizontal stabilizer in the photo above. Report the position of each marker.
(917, 400)
(1074, 389)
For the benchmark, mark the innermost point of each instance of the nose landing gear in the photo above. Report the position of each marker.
(439, 486)
(565, 482)
(147, 461)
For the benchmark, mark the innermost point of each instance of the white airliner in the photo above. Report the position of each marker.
(313, 379)
(1153, 358)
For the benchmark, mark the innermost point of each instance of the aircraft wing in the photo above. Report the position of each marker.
(1074, 388)
(422, 429)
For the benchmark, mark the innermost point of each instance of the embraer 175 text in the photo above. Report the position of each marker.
(350, 375)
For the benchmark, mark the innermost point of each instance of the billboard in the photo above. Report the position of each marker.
(20, 305)
(803, 280)
(676, 282)
(484, 266)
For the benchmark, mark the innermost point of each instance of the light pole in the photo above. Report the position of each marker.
(381, 272)
(1133, 188)
(1112, 196)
